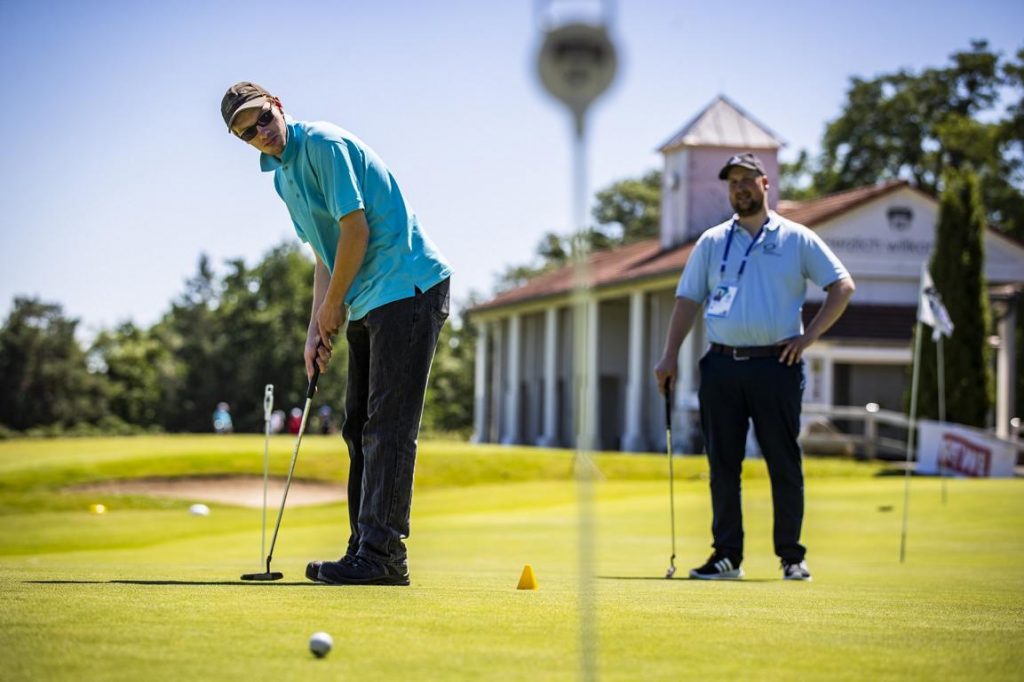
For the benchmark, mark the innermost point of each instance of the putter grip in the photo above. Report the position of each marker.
(316, 373)
(312, 382)
(668, 400)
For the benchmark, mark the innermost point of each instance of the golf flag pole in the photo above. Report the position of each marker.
(941, 373)
(911, 432)
(932, 312)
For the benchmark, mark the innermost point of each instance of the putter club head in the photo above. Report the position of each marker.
(670, 572)
(264, 577)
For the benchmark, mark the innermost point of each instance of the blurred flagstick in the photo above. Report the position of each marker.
(576, 64)
(911, 433)
(942, 410)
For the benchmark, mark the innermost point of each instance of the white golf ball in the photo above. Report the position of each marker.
(199, 510)
(320, 644)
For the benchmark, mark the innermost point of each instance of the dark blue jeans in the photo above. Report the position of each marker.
(389, 356)
(767, 392)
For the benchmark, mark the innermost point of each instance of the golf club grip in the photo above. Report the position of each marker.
(316, 371)
(668, 400)
(312, 382)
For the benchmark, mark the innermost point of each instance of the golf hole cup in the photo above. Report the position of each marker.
(320, 644)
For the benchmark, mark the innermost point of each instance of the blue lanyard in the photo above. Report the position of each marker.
(728, 245)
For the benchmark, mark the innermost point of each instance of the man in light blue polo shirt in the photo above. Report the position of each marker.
(749, 277)
(377, 270)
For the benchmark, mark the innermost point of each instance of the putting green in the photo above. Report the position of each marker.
(146, 591)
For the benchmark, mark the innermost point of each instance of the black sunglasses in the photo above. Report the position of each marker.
(266, 116)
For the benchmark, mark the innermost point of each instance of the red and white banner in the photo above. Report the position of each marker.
(956, 450)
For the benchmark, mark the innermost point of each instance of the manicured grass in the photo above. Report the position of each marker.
(148, 592)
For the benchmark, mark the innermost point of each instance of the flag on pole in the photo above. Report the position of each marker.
(930, 310)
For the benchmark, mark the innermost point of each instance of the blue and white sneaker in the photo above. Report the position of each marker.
(795, 571)
(718, 567)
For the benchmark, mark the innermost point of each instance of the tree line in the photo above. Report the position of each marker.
(955, 131)
(222, 340)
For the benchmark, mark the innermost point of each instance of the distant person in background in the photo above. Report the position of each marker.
(277, 421)
(295, 420)
(378, 272)
(222, 419)
(748, 276)
(325, 414)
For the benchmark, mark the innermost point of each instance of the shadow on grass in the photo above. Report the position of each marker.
(685, 579)
(235, 583)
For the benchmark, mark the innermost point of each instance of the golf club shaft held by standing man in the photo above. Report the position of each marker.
(377, 271)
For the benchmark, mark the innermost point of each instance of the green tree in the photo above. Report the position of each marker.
(448, 406)
(625, 212)
(44, 378)
(138, 367)
(231, 336)
(915, 126)
(629, 210)
(796, 179)
(957, 270)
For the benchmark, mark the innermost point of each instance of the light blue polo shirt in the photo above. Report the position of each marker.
(773, 285)
(325, 173)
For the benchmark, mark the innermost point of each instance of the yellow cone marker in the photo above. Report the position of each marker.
(527, 581)
(97, 508)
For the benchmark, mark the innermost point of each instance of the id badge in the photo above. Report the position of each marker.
(721, 299)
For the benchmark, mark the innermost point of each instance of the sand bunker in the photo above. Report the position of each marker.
(243, 491)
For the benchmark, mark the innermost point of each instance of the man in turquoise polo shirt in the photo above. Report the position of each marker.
(377, 270)
(749, 275)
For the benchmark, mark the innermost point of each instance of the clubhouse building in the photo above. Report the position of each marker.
(882, 233)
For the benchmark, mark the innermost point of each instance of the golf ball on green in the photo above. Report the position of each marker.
(320, 644)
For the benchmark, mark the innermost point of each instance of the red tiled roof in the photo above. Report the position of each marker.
(627, 263)
(817, 211)
(646, 258)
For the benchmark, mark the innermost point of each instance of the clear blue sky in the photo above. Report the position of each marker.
(117, 170)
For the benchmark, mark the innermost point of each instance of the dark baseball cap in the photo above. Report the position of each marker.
(744, 160)
(242, 96)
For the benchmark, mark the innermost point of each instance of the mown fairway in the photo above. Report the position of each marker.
(148, 592)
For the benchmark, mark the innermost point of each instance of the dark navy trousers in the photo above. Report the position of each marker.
(767, 392)
(389, 355)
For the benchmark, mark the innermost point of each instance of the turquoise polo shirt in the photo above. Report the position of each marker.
(773, 285)
(325, 173)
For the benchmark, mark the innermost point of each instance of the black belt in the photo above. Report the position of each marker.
(745, 352)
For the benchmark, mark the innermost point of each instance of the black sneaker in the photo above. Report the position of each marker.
(718, 567)
(359, 570)
(313, 567)
(795, 571)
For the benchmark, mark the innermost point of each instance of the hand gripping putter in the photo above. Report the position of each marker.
(671, 477)
(268, 575)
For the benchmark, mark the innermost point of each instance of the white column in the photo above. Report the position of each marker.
(1006, 372)
(686, 390)
(480, 388)
(549, 432)
(590, 394)
(633, 440)
(511, 435)
(497, 396)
